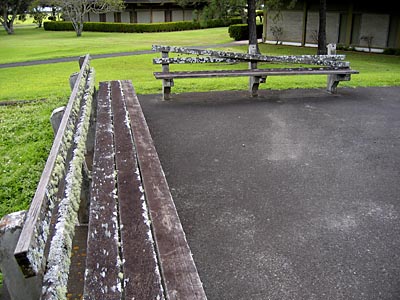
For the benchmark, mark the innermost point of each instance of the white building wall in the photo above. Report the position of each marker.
(177, 15)
(332, 27)
(143, 16)
(375, 25)
(158, 16)
(125, 17)
(291, 23)
(93, 17)
(188, 15)
(110, 17)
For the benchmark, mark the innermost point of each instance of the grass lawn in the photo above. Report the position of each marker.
(25, 133)
(35, 82)
(35, 43)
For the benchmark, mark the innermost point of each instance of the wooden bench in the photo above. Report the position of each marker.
(332, 65)
(102, 224)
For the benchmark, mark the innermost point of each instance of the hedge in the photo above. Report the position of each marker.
(140, 27)
(240, 32)
(392, 51)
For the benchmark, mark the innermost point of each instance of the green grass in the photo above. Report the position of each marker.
(29, 44)
(43, 81)
(25, 140)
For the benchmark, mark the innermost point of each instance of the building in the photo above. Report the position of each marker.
(148, 11)
(352, 23)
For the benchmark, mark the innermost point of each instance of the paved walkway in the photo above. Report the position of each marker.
(294, 195)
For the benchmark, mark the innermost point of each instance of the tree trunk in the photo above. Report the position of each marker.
(251, 20)
(322, 28)
(8, 24)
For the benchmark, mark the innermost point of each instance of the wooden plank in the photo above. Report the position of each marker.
(179, 273)
(78, 263)
(142, 278)
(254, 72)
(326, 60)
(29, 251)
(103, 263)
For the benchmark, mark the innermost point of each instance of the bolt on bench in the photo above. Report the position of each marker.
(102, 224)
(332, 65)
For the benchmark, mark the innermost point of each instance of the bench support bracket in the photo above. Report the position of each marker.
(333, 81)
(18, 287)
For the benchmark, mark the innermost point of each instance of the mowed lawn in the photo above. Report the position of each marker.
(25, 133)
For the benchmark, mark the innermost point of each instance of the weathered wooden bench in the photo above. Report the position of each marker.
(102, 224)
(332, 65)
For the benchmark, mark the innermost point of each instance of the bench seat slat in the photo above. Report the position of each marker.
(142, 278)
(179, 272)
(103, 264)
(254, 72)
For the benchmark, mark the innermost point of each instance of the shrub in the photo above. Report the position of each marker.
(392, 51)
(123, 27)
(240, 32)
(140, 27)
(58, 26)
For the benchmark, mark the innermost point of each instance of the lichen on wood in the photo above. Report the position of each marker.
(35, 253)
(324, 60)
(58, 262)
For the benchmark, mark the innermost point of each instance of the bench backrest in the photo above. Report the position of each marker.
(213, 56)
(53, 211)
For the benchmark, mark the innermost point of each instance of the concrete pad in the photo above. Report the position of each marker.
(291, 195)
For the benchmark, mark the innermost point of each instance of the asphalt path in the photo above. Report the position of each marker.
(292, 195)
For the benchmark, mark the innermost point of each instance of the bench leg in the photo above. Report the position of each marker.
(19, 287)
(56, 117)
(72, 80)
(254, 81)
(253, 86)
(333, 81)
(167, 84)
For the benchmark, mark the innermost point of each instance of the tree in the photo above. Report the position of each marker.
(223, 9)
(9, 9)
(251, 20)
(75, 10)
(322, 28)
(36, 10)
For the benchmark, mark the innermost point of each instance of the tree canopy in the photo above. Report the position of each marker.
(75, 10)
(9, 9)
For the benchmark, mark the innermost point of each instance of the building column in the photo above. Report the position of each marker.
(349, 27)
